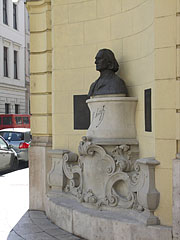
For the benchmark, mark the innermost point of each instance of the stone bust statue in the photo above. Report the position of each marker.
(108, 82)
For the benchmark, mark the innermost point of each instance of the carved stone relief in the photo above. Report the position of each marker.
(113, 180)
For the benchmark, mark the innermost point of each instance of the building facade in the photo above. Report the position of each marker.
(14, 54)
(145, 37)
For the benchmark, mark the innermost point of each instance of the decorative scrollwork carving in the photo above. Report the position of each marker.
(117, 191)
(86, 147)
(89, 197)
(112, 200)
(122, 155)
(104, 180)
(72, 168)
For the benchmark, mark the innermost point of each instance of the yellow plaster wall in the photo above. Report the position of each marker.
(79, 30)
(146, 42)
(165, 102)
(40, 67)
(142, 33)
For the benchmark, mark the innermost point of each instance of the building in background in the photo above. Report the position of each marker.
(14, 57)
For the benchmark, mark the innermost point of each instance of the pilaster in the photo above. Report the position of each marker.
(41, 109)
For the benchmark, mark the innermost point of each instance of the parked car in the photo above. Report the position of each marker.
(8, 157)
(19, 139)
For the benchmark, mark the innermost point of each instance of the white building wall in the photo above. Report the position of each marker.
(12, 90)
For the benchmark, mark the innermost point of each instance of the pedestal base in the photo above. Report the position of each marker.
(91, 224)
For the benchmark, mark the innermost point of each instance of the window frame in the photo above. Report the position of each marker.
(15, 16)
(5, 61)
(15, 64)
(7, 108)
(148, 109)
(16, 108)
(3, 144)
(5, 12)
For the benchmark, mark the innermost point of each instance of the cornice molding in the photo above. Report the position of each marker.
(38, 6)
(13, 88)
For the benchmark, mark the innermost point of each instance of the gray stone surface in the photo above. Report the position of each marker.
(35, 225)
(100, 225)
(176, 197)
(112, 117)
(39, 166)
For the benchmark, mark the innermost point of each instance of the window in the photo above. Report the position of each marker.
(14, 16)
(3, 145)
(81, 112)
(13, 136)
(26, 120)
(7, 120)
(5, 19)
(15, 65)
(16, 109)
(5, 62)
(18, 120)
(7, 108)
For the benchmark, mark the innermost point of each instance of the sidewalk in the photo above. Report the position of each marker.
(14, 200)
(34, 225)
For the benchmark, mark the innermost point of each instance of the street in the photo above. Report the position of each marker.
(14, 200)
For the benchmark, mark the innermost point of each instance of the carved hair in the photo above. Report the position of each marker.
(109, 56)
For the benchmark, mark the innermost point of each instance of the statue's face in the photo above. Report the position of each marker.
(101, 62)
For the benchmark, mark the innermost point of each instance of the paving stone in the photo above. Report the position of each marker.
(37, 214)
(14, 236)
(38, 236)
(26, 228)
(64, 237)
(41, 221)
(24, 220)
(73, 238)
(34, 225)
(44, 224)
(26, 215)
(56, 232)
(45, 227)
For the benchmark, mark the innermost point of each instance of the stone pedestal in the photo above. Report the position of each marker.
(39, 166)
(55, 177)
(106, 185)
(176, 198)
(88, 223)
(112, 117)
(107, 173)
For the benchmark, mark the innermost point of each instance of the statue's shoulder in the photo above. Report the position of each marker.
(91, 89)
(117, 79)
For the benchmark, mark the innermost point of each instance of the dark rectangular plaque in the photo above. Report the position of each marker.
(147, 103)
(81, 112)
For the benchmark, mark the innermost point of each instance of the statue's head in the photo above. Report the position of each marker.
(105, 59)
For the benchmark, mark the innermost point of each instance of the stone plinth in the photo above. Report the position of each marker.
(112, 117)
(106, 185)
(91, 224)
(55, 177)
(39, 166)
(176, 197)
